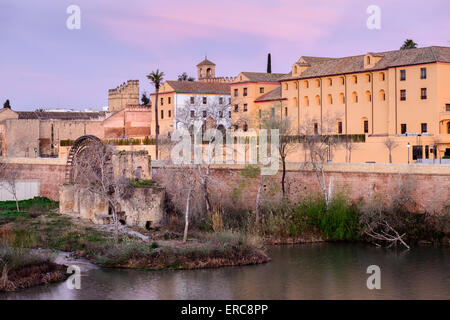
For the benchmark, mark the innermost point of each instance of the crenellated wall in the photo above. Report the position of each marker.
(123, 95)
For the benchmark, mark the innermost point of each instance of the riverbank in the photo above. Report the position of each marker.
(38, 225)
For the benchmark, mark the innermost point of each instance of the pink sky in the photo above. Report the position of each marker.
(43, 64)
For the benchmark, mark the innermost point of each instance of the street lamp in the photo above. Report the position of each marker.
(409, 145)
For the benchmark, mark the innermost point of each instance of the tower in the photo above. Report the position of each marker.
(206, 69)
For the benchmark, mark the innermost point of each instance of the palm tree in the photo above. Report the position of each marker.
(156, 77)
(408, 44)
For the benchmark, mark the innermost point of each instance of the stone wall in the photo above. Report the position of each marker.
(429, 185)
(144, 208)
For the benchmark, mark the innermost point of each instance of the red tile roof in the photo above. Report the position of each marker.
(200, 87)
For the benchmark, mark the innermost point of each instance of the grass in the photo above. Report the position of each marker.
(143, 183)
(35, 205)
(13, 258)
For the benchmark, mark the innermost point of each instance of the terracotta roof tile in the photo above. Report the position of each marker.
(334, 66)
(273, 95)
(200, 87)
(206, 62)
(263, 77)
(48, 115)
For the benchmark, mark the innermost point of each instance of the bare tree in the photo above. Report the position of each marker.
(319, 143)
(94, 173)
(9, 181)
(349, 146)
(277, 120)
(390, 145)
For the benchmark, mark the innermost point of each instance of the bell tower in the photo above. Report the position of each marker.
(206, 69)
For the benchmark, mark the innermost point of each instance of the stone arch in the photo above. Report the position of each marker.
(78, 146)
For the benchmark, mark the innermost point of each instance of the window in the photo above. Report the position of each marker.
(317, 83)
(162, 101)
(245, 107)
(162, 114)
(342, 98)
(448, 127)
(402, 95)
(192, 100)
(342, 80)
(423, 93)
(286, 86)
(317, 100)
(366, 126)
(236, 92)
(306, 101)
(204, 113)
(368, 96)
(295, 85)
(261, 90)
(368, 78)
(423, 73)
(382, 76)
(245, 127)
(245, 92)
(355, 97)
(382, 95)
(330, 99)
(192, 114)
(447, 107)
(340, 127)
(169, 100)
(306, 84)
(403, 128)
(330, 82)
(423, 127)
(295, 102)
(285, 111)
(170, 113)
(229, 114)
(236, 108)
(204, 100)
(316, 128)
(402, 75)
(273, 112)
(220, 114)
(368, 60)
(220, 100)
(355, 79)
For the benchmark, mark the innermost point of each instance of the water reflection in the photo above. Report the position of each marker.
(313, 271)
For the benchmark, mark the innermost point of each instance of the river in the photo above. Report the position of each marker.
(307, 271)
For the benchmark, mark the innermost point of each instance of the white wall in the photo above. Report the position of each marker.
(25, 189)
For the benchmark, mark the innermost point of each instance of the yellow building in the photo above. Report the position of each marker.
(247, 97)
(402, 94)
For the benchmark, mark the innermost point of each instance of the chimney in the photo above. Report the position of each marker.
(269, 64)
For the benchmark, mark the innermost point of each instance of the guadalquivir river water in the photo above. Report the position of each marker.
(307, 271)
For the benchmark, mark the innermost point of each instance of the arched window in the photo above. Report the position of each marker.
(382, 77)
(448, 127)
(330, 99)
(306, 101)
(368, 60)
(295, 69)
(295, 102)
(245, 127)
(355, 97)
(295, 85)
(286, 86)
(341, 98)
(368, 96)
(317, 100)
(342, 80)
(317, 83)
(306, 84)
(330, 82)
(355, 79)
(368, 77)
(382, 95)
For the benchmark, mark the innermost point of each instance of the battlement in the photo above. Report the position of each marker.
(123, 95)
(218, 79)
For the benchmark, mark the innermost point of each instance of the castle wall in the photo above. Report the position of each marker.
(124, 95)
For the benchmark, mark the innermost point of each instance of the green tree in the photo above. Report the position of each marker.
(185, 77)
(145, 100)
(408, 44)
(6, 104)
(156, 78)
